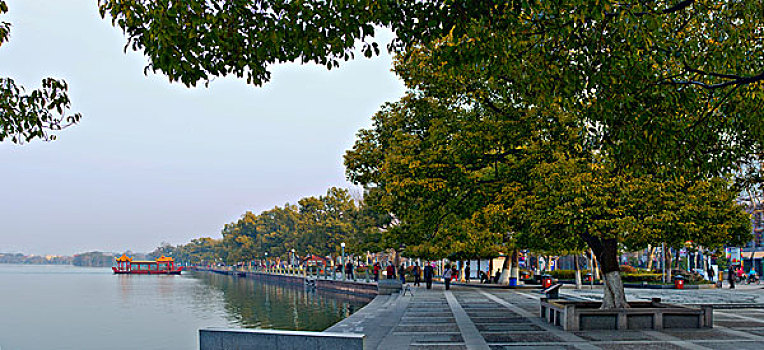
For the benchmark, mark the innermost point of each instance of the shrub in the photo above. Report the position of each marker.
(563, 274)
(641, 277)
(628, 269)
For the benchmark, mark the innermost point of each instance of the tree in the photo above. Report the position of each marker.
(665, 89)
(25, 117)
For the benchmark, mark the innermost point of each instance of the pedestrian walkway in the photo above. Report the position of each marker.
(469, 318)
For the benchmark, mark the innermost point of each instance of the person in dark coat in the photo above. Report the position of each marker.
(416, 271)
(402, 273)
(429, 272)
(349, 270)
(447, 276)
(731, 276)
(467, 272)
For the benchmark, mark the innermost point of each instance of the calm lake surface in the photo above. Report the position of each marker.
(67, 307)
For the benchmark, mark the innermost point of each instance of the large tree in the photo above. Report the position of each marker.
(666, 89)
(25, 116)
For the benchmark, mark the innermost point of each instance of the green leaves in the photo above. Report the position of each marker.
(25, 117)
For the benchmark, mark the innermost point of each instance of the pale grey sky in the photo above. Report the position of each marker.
(153, 161)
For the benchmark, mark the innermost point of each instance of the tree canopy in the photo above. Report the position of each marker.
(624, 98)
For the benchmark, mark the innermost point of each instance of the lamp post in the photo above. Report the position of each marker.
(342, 261)
(292, 262)
(267, 265)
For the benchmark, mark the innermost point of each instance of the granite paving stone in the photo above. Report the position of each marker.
(475, 318)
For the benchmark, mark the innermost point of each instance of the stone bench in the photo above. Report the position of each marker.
(251, 339)
(586, 315)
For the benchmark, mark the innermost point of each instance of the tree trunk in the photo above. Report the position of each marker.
(650, 256)
(577, 267)
(514, 270)
(504, 277)
(606, 252)
(667, 264)
(595, 268)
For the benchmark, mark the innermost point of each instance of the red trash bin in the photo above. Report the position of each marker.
(679, 282)
(546, 281)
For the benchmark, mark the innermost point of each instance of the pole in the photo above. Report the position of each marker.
(663, 262)
(342, 261)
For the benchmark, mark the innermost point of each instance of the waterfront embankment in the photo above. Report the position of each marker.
(361, 288)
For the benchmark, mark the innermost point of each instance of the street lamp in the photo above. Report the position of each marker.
(342, 262)
(293, 257)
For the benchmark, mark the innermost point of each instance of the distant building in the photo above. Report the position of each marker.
(754, 248)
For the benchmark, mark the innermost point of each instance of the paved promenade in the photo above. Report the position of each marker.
(473, 318)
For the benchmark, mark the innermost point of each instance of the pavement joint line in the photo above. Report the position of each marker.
(472, 338)
(620, 342)
(733, 315)
(673, 340)
(568, 337)
(739, 333)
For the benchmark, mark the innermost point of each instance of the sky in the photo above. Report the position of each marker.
(153, 161)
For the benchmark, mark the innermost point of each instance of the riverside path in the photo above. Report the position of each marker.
(475, 318)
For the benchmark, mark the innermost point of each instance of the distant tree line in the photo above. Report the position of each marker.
(315, 225)
(19, 258)
(93, 259)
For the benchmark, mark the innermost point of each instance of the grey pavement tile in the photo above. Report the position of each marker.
(614, 336)
(478, 320)
(496, 313)
(507, 327)
(437, 347)
(438, 338)
(467, 306)
(426, 328)
(700, 334)
(754, 331)
(519, 337)
(531, 347)
(640, 346)
(737, 323)
(733, 345)
(427, 320)
(408, 313)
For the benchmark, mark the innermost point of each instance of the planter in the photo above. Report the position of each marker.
(586, 315)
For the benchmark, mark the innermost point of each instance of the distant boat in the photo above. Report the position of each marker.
(161, 266)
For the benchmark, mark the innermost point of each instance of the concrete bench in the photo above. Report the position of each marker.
(252, 339)
(553, 292)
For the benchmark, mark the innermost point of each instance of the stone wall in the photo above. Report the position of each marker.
(246, 339)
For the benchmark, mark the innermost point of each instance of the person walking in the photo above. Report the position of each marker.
(447, 276)
(402, 273)
(390, 271)
(376, 271)
(416, 273)
(731, 276)
(454, 273)
(349, 270)
(467, 272)
(429, 273)
(710, 273)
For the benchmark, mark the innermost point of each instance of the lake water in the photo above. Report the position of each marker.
(67, 307)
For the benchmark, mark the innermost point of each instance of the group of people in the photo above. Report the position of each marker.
(427, 272)
(736, 274)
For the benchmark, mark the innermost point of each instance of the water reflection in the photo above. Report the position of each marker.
(261, 304)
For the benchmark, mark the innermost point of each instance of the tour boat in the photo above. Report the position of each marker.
(161, 266)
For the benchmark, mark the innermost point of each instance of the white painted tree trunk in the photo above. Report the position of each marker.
(505, 271)
(577, 267)
(614, 295)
